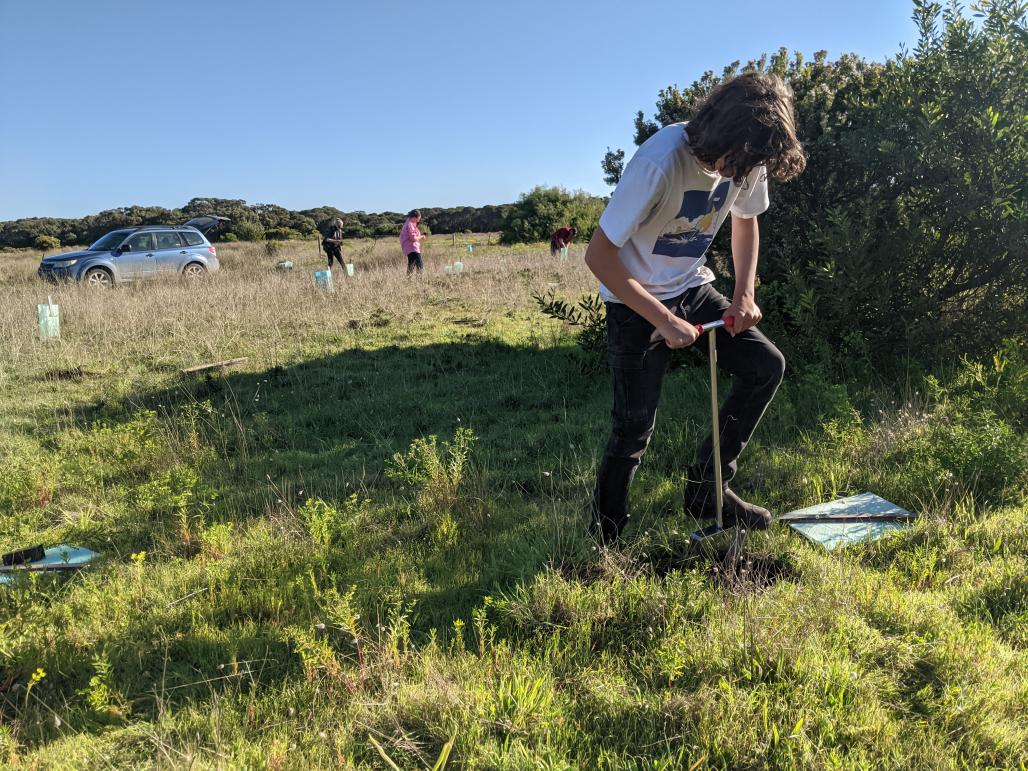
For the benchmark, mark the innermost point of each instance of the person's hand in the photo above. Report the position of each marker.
(746, 315)
(677, 333)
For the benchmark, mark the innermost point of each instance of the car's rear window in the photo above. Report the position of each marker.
(168, 239)
(192, 237)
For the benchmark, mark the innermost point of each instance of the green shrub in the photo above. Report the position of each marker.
(354, 229)
(541, 211)
(589, 317)
(434, 473)
(327, 524)
(964, 448)
(27, 478)
(46, 243)
(249, 231)
(282, 234)
(106, 453)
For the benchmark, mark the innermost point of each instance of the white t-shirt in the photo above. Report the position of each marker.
(667, 209)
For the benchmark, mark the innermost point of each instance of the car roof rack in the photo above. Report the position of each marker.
(157, 227)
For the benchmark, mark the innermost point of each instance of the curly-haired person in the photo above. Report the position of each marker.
(649, 254)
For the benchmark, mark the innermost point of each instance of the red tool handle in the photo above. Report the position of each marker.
(727, 321)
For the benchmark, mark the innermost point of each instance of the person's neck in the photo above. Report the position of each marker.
(708, 167)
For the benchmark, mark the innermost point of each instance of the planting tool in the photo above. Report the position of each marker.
(704, 536)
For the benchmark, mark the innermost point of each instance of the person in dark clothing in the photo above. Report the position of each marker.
(560, 239)
(649, 252)
(333, 243)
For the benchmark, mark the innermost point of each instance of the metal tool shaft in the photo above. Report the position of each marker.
(715, 428)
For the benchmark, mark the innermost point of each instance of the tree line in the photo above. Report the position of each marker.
(249, 222)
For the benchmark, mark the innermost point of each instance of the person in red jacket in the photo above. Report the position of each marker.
(560, 239)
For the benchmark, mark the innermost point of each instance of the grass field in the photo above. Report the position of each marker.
(365, 546)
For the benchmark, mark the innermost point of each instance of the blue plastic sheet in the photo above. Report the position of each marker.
(864, 517)
(323, 280)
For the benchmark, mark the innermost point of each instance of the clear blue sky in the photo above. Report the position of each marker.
(362, 105)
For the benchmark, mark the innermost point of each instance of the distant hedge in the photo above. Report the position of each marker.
(250, 222)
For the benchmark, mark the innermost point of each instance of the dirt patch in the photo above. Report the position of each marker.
(754, 571)
(754, 574)
(73, 374)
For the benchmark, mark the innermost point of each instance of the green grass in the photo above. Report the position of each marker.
(368, 542)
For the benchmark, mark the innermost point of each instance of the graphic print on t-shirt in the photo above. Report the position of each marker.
(692, 231)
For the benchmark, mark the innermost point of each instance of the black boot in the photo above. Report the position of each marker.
(604, 529)
(701, 503)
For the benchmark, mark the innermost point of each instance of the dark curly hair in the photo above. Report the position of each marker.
(749, 120)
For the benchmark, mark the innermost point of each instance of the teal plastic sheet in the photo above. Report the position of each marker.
(62, 557)
(49, 316)
(864, 517)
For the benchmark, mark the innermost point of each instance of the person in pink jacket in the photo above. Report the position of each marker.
(410, 242)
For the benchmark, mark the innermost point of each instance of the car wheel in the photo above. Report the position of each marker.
(194, 270)
(98, 278)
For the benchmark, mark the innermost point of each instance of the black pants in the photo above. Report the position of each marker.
(336, 251)
(638, 369)
(414, 263)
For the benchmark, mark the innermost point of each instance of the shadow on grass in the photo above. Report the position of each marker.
(328, 427)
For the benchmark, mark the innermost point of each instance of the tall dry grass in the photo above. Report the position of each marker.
(249, 308)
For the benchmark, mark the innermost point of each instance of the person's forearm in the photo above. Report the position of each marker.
(602, 258)
(745, 247)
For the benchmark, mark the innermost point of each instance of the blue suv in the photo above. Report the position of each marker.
(138, 254)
